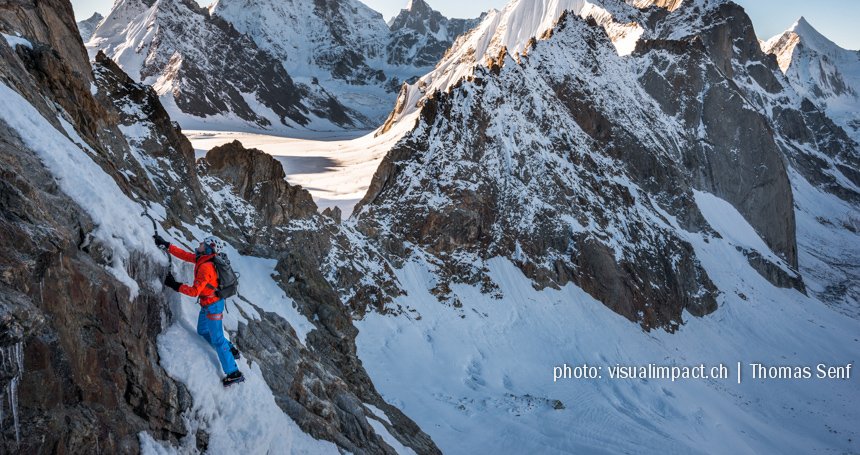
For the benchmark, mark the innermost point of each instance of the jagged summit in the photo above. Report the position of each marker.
(820, 70)
(511, 30)
(420, 35)
(417, 6)
(88, 26)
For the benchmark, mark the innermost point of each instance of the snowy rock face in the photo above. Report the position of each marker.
(345, 46)
(87, 27)
(87, 345)
(822, 159)
(205, 71)
(580, 164)
(821, 71)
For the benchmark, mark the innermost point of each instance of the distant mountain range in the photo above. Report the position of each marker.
(337, 63)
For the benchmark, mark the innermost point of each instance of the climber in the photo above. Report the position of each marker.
(211, 306)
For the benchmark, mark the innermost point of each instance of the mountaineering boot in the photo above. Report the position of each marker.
(233, 378)
(236, 354)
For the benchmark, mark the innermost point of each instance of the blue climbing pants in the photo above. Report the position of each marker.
(210, 328)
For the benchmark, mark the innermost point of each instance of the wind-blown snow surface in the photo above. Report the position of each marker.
(335, 168)
(822, 71)
(479, 379)
(244, 417)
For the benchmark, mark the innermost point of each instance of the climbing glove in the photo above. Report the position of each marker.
(160, 242)
(171, 282)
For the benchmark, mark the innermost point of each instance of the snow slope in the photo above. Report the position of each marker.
(245, 417)
(822, 71)
(479, 378)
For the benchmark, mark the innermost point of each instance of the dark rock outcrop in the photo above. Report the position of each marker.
(260, 179)
(90, 372)
(315, 395)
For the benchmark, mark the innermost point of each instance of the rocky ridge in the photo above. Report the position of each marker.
(345, 46)
(420, 35)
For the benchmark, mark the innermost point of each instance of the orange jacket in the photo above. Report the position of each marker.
(205, 277)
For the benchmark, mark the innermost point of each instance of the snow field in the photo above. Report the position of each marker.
(489, 366)
(336, 168)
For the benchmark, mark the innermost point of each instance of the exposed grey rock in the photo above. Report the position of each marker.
(334, 213)
(308, 389)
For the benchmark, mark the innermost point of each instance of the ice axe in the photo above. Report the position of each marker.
(155, 229)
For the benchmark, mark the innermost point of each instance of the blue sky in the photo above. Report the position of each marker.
(839, 20)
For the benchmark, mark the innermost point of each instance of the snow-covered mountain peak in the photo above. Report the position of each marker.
(821, 71)
(345, 46)
(417, 6)
(814, 39)
(510, 31)
(206, 72)
(783, 45)
(87, 27)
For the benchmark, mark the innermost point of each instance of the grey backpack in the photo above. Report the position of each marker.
(228, 280)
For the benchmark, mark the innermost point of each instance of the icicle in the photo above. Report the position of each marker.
(13, 403)
(19, 356)
(12, 359)
(2, 400)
